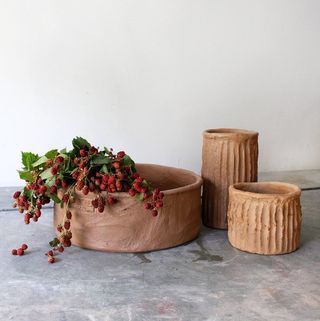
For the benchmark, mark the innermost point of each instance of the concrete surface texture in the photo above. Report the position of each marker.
(205, 280)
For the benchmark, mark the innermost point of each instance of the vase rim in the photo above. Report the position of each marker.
(227, 132)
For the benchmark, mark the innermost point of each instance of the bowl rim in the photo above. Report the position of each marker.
(195, 185)
(294, 189)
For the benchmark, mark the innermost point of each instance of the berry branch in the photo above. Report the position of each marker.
(56, 176)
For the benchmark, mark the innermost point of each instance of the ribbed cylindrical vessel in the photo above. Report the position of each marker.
(264, 218)
(228, 156)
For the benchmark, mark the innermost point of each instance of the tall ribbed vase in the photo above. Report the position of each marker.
(228, 156)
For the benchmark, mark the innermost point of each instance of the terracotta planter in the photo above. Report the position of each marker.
(228, 156)
(264, 218)
(128, 227)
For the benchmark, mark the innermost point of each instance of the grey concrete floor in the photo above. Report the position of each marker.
(204, 280)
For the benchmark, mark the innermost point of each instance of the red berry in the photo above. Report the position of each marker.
(49, 253)
(54, 170)
(75, 175)
(116, 165)
(14, 252)
(121, 154)
(93, 150)
(159, 204)
(102, 187)
(24, 246)
(83, 153)
(104, 179)
(111, 180)
(64, 184)
(161, 195)
(111, 200)
(95, 203)
(132, 192)
(147, 206)
(60, 248)
(65, 198)
(51, 259)
(66, 243)
(35, 218)
(58, 182)
(101, 209)
(59, 159)
(59, 228)
(67, 225)
(69, 215)
(20, 251)
(53, 189)
(37, 212)
(16, 194)
(137, 187)
(85, 190)
(154, 212)
(43, 189)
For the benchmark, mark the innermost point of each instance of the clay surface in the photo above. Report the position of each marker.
(228, 156)
(264, 217)
(128, 227)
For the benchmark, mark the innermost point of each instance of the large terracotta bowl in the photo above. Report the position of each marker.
(128, 227)
(264, 217)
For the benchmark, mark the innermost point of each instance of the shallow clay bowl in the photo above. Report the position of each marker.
(264, 217)
(128, 227)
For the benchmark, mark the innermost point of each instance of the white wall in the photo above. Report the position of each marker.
(148, 76)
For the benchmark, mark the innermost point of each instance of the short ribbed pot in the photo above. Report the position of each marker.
(228, 156)
(128, 227)
(264, 218)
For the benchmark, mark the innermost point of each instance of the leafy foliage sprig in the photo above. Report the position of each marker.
(58, 174)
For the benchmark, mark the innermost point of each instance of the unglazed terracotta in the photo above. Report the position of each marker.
(264, 217)
(228, 156)
(128, 227)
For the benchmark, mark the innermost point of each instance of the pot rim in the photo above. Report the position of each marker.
(228, 132)
(293, 190)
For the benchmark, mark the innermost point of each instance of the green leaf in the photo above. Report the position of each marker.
(55, 198)
(50, 181)
(100, 160)
(55, 242)
(27, 192)
(46, 174)
(25, 175)
(127, 161)
(104, 169)
(28, 159)
(80, 143)
(40, 161)
(51, 154)
(139, 196)
(63, 151)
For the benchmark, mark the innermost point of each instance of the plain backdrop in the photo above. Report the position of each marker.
(149, 76)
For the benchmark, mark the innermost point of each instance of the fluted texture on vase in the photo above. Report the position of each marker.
(228, 156)
(263, 222)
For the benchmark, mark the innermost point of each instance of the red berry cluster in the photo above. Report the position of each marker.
(20, 250)
(84, 169)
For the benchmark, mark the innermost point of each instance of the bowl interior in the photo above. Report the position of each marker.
(166, 178)
(267, 188)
